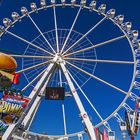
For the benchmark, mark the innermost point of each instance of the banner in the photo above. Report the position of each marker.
(11, 107)
(16, 99)
(99, 134)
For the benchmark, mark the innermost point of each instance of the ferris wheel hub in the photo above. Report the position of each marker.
(59, 58)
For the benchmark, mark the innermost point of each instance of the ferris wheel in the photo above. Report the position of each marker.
(80, 54)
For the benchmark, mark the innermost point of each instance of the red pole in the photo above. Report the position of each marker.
(132, 138)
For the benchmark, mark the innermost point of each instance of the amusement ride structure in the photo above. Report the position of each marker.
(60, 64)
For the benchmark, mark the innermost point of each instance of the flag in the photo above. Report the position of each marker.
(105, 135)
(137, 103)
(99, 134)
(16, 78)
(7, 79)
(16, 99)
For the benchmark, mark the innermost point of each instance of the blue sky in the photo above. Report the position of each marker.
(103, 97)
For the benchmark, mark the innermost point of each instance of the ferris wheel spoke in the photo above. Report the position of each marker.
(97, 78)
(60, 77)
(36, 78)
(64, 118)
(32, 67)
(28, 42)
(63, 106)
(97, 45)
(85, 96)
(100, 61)
(94, 27)
(30, 56)
(56, 30)
(40, 32)
(71, 29)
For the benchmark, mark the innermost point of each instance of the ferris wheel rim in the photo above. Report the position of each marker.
(134, 58)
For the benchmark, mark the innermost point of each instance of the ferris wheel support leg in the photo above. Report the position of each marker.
(33, 116)
(83, 113)
(27, 120)
(33, 96)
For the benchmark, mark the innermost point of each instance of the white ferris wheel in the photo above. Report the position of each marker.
(83, 49)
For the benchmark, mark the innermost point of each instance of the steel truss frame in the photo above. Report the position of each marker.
(36, 94)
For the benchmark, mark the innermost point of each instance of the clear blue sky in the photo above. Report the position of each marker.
(105, 99)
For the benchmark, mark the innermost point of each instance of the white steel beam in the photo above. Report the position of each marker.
(83, 113)
(100, 61)
(97, 78)
(86, 34)
(33, 67)
(28, 42)
(97, 45)
(56, 29)
(40, 32)
(31, 56)
(28, 119)
(71, 29)
(63, 106)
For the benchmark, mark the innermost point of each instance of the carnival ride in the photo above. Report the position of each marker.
(61, 63)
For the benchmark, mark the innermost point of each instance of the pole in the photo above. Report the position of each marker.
(132, 137)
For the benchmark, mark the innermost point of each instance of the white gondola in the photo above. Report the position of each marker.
(63, 2)
(7, 22)
(123, 129)
(123, 126)
(102, 8)
(135, 35)
(53, 2)
(83, 3)
(111, 135)
(15, 16)
(137, 52)
(1, 29)
(24, 11)
(92, 5)
(138, 74)
(33, 6)
(137, 85)
(127, 26)
(119, 19)
(111, 13)
(43, 3)
(138, 43)
(73, 2)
